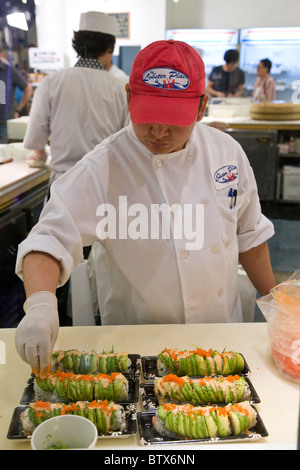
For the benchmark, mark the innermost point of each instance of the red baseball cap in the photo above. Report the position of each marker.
(166, 81)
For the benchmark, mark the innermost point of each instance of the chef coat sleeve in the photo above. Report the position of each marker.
(253, 228)
(67, 222)
(38, 128)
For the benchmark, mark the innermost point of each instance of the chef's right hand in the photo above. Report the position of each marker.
(37, 158)
(37, 332)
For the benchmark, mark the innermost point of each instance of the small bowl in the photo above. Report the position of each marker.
(64, 432)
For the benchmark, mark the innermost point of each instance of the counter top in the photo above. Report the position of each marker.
(17, 177)
(245, 122)
(279, 407)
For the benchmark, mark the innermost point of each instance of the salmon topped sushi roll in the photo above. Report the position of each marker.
(80, 362)
(199, 362)
(190, 422)
(107, 416)
(201, 391)
(73, 387)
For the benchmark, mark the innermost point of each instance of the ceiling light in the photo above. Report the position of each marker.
(17, 20)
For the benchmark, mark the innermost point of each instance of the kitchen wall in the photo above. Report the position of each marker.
(231, 13)
(57, 19)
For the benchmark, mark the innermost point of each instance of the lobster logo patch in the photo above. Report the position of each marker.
(225, 175)
(165, 78)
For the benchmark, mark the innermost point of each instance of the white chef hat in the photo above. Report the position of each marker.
(98, 22)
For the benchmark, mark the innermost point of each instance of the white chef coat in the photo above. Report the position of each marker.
(146, 281)
(78, 108)
(119, 73)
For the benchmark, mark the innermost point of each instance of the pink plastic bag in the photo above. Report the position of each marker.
(281, 308)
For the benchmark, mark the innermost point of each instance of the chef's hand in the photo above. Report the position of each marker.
(37, 332)
(37, 158)
(222, 126)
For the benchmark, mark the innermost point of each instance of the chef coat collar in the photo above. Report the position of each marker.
(89, 63)
(186, 150)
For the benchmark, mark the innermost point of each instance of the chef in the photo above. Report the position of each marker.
(77, 108)
(172, 204)
(80, 106)
(227, 79)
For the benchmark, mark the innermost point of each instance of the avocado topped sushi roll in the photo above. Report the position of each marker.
(199, 362)
(80, 362)
(203, 391)
(107, 416)
(190, 422)
(76, 387)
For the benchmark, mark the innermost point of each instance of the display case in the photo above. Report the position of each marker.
(211, 43)
(281, 46)
(261, 150)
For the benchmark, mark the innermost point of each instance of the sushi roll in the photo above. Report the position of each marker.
(207, 390)
(67, 386)
(189, 422)
(199, 362)
(90, 363)
(80, 362)
(107, 416)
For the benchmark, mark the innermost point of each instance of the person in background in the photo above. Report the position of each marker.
(131, 195)
(226, 80)
(117, 72)
(77, 108)
(264, 86)
(10, 78)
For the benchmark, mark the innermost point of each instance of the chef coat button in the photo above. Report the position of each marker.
(174, 207)
(215, 249)
(158, 162)
(184, 254)
(204, 201)
(220, 292)
(191, 301)
(188, 156)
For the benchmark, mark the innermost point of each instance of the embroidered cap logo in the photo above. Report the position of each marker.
(166, 78)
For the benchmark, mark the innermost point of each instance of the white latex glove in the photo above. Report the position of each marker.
(37, 331)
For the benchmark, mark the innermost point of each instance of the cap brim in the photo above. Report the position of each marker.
(153, 109)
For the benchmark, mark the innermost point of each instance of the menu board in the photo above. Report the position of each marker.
(123, 29)
(40, 59)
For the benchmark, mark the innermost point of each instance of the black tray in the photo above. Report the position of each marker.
(29, 393)
(150, 372)
(135, 367)
(15, 430)
(150, 401)
(149, 436)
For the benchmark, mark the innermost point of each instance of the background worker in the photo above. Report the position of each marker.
(117, 72)
(227, 80)
(77, 108)
(264, 86)
(9, 109)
